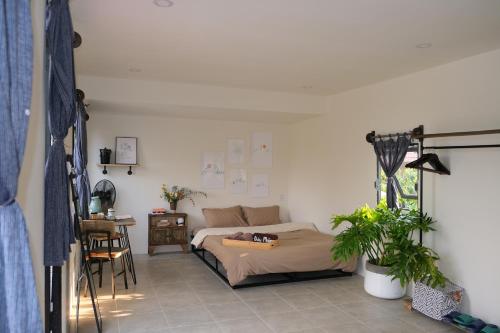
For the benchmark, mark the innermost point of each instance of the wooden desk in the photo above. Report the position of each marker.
(130, 222)
(125, 242)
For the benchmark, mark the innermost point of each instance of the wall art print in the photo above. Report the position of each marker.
(212, 170)
(262, 150)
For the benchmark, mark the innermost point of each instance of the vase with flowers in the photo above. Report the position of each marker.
(176, 193)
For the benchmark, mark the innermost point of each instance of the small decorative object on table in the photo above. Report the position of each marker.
(95, 205)
(436, 302)
(111, 214)
(159, 211)
(176, 193)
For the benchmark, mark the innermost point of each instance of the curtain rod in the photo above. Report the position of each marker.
(462, 147)
(467, 133)
(418, 133)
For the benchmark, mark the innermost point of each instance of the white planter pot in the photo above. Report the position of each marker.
(379, 284)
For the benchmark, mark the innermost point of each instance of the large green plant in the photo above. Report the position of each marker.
(386, 236)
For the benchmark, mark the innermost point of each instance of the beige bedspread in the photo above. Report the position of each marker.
(299, 251)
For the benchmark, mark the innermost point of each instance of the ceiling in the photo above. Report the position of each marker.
(303, 46)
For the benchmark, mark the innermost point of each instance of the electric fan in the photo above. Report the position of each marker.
(106, 191)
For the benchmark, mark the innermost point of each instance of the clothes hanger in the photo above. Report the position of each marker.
(434, 162)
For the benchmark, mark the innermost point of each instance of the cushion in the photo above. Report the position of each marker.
(262, 215)
(224, 217)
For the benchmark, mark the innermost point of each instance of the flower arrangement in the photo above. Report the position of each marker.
(176, 193)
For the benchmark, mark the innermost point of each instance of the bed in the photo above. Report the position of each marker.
(303, 254)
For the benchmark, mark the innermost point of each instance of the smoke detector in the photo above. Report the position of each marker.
(163, 3)
(424, 45)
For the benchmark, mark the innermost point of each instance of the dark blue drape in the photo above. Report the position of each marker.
(62, 111)
(19, 309)
(80, 160)
(391, 154)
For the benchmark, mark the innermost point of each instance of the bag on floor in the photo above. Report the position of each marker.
(436, 302)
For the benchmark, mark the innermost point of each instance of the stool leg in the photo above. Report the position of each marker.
(124, 268)
(113, 287)
(93, 296)
(100, 273)
(130, 255)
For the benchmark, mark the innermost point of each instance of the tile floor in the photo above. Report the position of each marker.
(177, 293)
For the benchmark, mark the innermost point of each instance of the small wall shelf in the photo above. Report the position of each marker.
(112, 165)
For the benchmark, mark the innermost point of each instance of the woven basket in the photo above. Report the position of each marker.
(436, 302)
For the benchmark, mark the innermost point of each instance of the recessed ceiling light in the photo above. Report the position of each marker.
(424, 45)
(163, 3)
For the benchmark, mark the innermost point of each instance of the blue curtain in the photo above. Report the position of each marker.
(19, 309)
(80, 160)
(58, 230)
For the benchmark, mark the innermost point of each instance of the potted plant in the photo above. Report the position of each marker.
(176, 193)
(394, 257)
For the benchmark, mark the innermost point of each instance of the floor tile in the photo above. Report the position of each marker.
(255, 293)
(89, 326)
(143, 323)
(291, 289)
(177, 293)
(340, 296)
(305, 301)
(204, 328)
(349, 328)
(366, 312)
(137, 306)
(250, 325)
(329, 316)
(269, 305)
(392, 326)
(179, 299)
(194, 315)
(216, 296)
(228, 311)
(287, 322)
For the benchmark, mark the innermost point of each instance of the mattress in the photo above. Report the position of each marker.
(302, 250)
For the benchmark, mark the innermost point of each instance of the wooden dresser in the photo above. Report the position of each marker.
(163, 230)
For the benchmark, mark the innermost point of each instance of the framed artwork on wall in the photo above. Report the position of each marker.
(260, 185)
(238, 179)
(126, 150)
(262, 150)
(212, 170)
(236, 151)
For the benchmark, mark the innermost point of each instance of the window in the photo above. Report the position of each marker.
(406, 182)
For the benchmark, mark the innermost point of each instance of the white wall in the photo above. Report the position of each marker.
(169, 151)
(333, 168)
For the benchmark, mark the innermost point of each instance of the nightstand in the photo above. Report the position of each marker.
(163, 230)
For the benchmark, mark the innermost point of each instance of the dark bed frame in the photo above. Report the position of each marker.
(265, 279)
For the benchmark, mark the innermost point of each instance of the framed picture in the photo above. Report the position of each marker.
(126, 150)
(212, 170)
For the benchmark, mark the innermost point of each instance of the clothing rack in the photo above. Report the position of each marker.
(418, 134)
